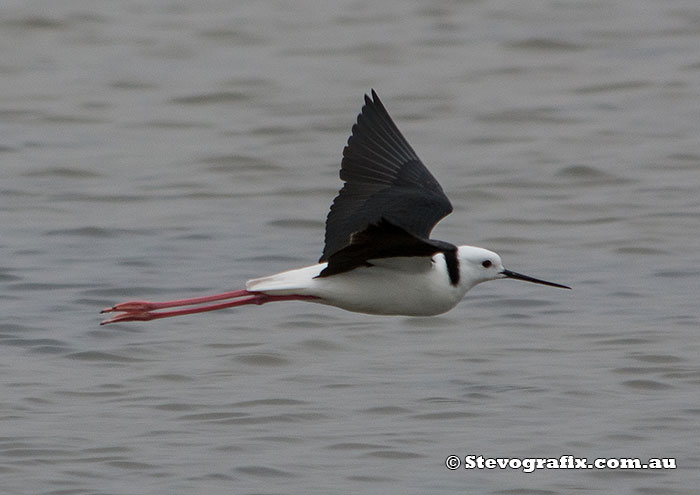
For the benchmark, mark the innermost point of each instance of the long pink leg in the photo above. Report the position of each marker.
(146, 315)
(141, 306)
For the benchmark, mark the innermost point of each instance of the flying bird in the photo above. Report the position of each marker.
(378, 256)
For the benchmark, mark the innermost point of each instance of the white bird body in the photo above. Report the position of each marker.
(410, 286)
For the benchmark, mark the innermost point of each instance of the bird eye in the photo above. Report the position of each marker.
(486, 263)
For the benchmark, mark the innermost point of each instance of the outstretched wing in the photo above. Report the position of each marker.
(384, 179)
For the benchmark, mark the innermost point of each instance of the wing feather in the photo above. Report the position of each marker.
(382, 240)
(384, 180)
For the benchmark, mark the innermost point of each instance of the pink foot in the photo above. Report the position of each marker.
(132, 306)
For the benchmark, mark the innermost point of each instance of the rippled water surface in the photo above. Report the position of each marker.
(166, 149)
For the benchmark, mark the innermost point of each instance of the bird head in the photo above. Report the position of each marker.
(478, 265)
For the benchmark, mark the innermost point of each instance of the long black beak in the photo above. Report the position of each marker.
(520, 276)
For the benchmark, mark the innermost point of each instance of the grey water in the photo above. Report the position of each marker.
(157, 150)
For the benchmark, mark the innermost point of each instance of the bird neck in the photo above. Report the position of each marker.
(452, 263)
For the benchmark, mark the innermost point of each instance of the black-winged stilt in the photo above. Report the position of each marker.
(378, 257)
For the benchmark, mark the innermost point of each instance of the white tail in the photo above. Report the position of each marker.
(291, 281)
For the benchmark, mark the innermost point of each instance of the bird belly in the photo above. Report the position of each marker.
(385, 291)
(391, 288)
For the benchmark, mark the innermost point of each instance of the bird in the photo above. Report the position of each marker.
(378, 257)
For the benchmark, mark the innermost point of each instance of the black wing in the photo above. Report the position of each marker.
(382, 240)
(384, 179)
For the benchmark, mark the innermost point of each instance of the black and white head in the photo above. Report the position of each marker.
(478, 265)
